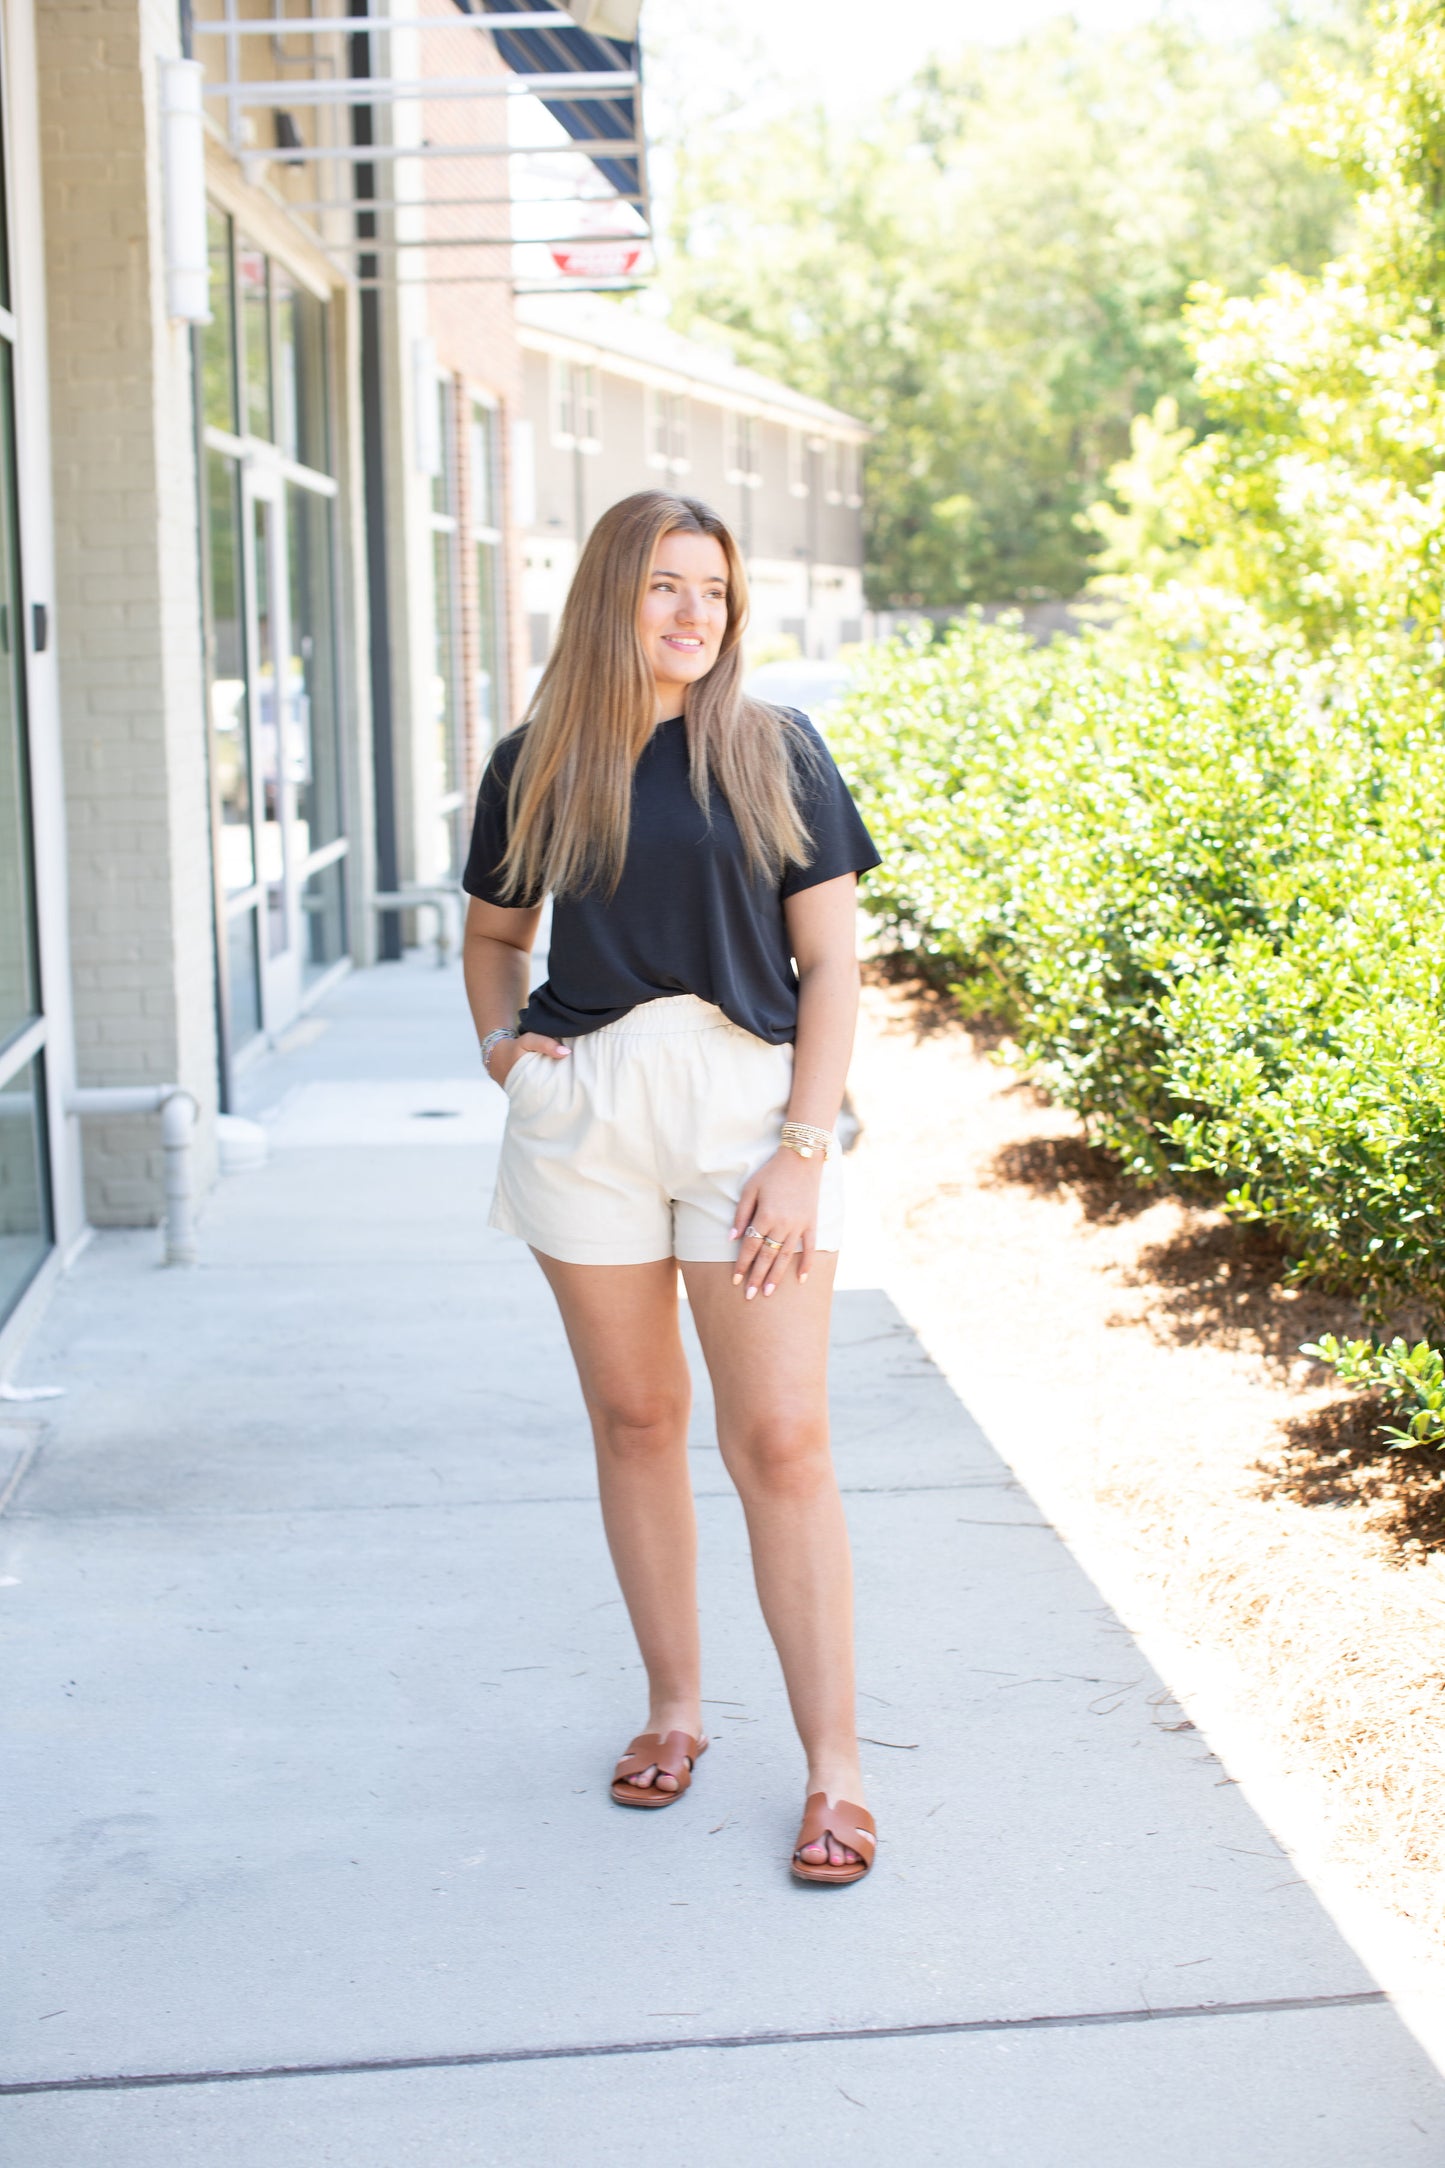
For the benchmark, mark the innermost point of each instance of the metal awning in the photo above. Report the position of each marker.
(348, 122)
(535, 51)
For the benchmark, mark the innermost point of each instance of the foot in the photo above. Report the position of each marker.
(836, 1780)
(667, 1716)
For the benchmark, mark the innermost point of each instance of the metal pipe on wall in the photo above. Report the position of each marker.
(177, 1110)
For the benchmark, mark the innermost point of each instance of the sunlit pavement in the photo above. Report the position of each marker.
(317, 1671)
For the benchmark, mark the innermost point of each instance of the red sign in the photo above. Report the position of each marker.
(598, 259)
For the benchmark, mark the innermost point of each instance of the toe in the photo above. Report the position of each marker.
(665, 1783)
(816, 1855)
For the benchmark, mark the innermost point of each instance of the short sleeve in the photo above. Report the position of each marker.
(841, 843)
(490, 831)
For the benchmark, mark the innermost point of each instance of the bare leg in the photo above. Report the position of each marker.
(622, 1326)
(768, 1362)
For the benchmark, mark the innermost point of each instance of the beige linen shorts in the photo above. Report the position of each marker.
(637, 1146)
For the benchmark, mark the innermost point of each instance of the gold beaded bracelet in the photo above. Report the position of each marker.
(805, 1140)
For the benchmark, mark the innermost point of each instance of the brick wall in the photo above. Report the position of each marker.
(128, 602)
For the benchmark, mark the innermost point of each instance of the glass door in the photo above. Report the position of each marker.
(25, 1209)
(274, 742)
(24, 1186)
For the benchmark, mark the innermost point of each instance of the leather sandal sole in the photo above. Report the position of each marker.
(845, 1824)
(630, 1795)
(802, 1872)
(648, 1750)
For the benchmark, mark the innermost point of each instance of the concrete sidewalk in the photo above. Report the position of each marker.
(317, 1671)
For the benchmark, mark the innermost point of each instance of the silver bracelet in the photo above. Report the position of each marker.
(506, 1031)
(805, 1140)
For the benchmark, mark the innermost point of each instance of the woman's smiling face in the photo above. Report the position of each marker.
(684, 615)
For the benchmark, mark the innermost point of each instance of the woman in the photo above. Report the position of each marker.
(671, 1090)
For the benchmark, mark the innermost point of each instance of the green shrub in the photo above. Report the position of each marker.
(1314, 1076)
(1208, 901)
(1412, 1379)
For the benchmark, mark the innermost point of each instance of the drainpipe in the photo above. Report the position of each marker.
(177, 1110)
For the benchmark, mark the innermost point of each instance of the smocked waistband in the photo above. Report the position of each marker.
(672, 1014)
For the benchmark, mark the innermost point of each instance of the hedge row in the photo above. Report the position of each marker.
(1209, 900)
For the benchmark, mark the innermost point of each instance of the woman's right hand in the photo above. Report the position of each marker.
(507, 1051)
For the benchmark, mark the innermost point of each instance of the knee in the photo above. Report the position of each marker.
(640, 1423)
(782, 1457)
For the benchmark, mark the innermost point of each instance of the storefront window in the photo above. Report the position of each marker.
(443, 482)
(273, 711)
(444, 701)
(488, 689)
(482, 442)
(445, 679)
(25, 1230)
(230, 739)
(25, 1233)
(488, 680)
(324, 907)
(19, 991)
(253, 284)
(241, 973)
(218, 337)
(267, 724)
(300, 371)
(313, 736)
(4, 236)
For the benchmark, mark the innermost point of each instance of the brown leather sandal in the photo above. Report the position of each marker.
(674, 1756)
(845, 1824)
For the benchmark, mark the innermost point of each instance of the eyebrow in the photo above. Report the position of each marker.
(714, 579)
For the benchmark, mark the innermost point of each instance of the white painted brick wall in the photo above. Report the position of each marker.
(128, 601)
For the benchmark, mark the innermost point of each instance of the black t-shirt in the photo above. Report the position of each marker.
(689, 915)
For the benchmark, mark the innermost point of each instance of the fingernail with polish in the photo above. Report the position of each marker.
(751, 1292)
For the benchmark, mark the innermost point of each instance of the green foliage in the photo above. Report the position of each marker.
(1207, 891)
(1198, 862)
(1314, 493)
(1411, 1378)
(991, 271)
(1317, 1069)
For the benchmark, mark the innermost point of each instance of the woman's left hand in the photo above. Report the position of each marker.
(777, 1221)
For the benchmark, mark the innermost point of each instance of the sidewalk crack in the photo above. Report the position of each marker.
(483, 2058)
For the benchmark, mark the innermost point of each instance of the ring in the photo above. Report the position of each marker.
(770, 1244)
(755, 1231)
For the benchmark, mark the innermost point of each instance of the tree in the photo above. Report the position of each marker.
(1315, 494)
(990, 271)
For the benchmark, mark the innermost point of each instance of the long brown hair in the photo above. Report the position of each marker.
(570, 800)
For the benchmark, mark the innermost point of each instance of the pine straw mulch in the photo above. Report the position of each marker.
(1137, 1357)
